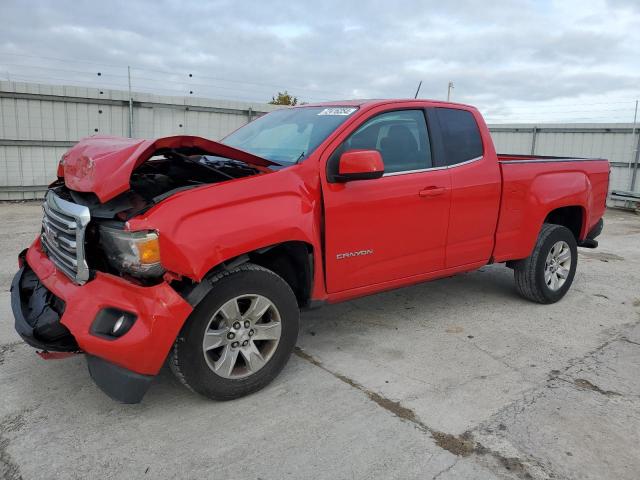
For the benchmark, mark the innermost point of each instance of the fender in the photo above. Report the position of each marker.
(202, 228)
(527, 202)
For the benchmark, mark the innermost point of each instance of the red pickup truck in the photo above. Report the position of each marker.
(203, 252)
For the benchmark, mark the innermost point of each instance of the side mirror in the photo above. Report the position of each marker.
(360, 165)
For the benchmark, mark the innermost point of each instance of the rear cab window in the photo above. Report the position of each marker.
(460, 135)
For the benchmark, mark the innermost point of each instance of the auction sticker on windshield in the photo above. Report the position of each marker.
(337, 111)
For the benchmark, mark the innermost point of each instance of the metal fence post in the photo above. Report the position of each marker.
(250, 114)
(635, 165)
(130, 104)
(637, 151)
(534, 134)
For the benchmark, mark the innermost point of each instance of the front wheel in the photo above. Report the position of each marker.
(546, 275)
(240, 336)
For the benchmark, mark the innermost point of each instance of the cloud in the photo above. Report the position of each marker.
(513, 58)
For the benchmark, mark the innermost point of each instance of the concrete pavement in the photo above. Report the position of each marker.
(458, 378)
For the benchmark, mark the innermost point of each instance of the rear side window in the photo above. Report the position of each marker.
(460, 135)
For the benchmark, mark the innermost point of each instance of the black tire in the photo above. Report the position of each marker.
(529, 273)
(187, 358)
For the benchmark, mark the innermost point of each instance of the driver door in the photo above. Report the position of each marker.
(392, 227)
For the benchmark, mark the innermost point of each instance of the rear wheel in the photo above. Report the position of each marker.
(240, 336)
(546, 275)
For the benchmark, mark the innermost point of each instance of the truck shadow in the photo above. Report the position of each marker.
(486, 286)
(431, 303)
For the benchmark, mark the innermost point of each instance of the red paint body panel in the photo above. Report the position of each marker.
(401, 282)
(405, 232)
(361, 161)
(202, 228)
(411, 227)
(103, 165)
(532, 190)
(475, 202)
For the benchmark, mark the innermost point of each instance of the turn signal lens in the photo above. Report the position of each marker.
(137, 253)
(149, 251)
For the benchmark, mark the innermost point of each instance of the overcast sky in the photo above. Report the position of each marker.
(518, 60)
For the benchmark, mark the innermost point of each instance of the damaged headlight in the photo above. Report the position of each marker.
(137, 253)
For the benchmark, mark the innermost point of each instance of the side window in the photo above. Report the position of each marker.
(460, 135)
(400, 137)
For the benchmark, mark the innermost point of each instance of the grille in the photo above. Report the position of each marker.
(63, 229)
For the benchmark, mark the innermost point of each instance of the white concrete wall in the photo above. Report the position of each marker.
(615, 142)
(38, 123)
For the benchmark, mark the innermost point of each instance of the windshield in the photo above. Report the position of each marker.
(289, 135)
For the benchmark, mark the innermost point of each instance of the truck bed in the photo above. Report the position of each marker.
(532, 181)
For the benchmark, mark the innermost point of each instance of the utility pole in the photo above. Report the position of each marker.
(130, 103)
(418, 90)
(449, 88)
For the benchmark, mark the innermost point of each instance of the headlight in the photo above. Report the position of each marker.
(137, 253)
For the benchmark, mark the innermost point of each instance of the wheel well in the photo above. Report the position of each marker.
(293, 261)
(570, 217)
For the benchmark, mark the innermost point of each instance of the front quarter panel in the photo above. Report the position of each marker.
(202, 228)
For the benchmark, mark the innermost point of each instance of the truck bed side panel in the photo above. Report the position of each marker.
(534, 186)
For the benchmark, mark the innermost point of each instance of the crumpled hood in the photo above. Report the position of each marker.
(103, 164)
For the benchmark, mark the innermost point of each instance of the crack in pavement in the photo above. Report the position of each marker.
(532, 395)
(7, 348)
(582, 383)
(625, 339)
(498, 359)
(9, 469)
(442, 472)
(459, 445)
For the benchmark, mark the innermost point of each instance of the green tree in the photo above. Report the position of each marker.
(284, 98)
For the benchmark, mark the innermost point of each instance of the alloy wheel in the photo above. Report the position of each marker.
(242, 336)
(557, 265)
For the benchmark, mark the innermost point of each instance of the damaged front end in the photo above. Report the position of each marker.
(89, 283)
(164, 174)
(101, 240)
(104, 165)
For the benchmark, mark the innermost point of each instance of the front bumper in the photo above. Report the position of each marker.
(116, 364)
(37, 314)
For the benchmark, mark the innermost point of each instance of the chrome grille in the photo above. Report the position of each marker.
(63, 229)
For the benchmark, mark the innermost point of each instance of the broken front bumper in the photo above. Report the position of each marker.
(54, 314)
(37, 314)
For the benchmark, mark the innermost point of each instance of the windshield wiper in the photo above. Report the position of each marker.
(300, 157)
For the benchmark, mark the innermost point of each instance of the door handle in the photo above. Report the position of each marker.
(432, 191)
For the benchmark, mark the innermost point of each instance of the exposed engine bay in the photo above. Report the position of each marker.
(158, 178)
(107, 244)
